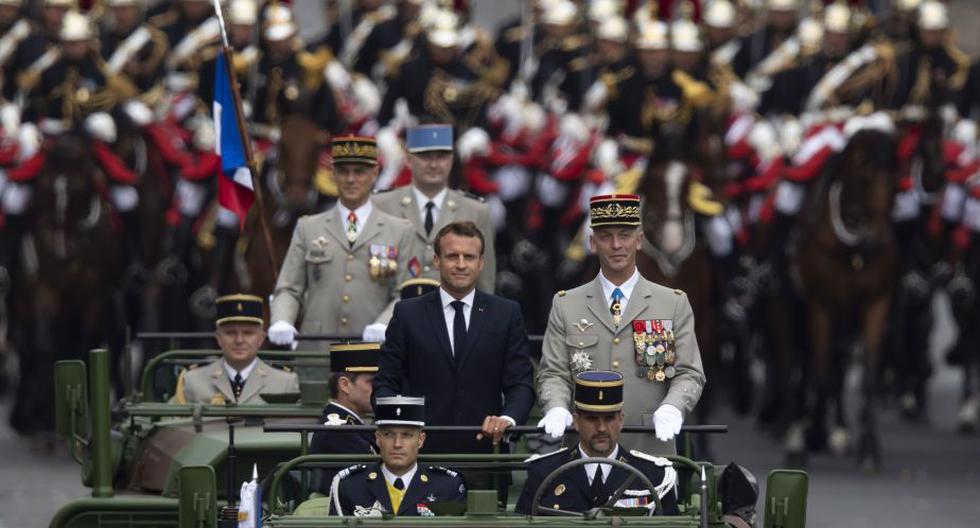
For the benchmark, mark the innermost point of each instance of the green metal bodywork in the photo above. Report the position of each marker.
(164, 465)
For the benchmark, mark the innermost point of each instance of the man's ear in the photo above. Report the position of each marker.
(421, 439)
(343, 384)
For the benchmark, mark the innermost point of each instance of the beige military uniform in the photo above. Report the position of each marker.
(456, 206)
(328, 284)
(210, 384)
(581, 331)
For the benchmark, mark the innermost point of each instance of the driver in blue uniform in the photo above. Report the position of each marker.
(598, 419)
(398, 484)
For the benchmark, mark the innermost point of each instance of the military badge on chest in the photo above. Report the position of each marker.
(383, 262)
(653, 341)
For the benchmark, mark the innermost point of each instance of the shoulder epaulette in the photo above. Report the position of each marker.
(660, 461)
(382, 191)
(513, 34)
(444, 470)
(541, 456)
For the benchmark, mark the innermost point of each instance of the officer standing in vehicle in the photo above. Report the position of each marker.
(397, 484)
(344, 265)
(239, 376)
(599, 421)
(621, 321)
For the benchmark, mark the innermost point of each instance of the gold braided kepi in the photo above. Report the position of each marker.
(354, 149)
(614, 210)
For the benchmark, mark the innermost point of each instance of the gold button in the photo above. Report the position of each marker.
(343, 320)
(615, 340)
(581, 343)
(350, 256)
(426, 268)
(615, 364)
(346, 298)
(348, 277)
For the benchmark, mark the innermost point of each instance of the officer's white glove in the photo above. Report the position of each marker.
(667, 421)
(375, 332)
(555, 421)
(282, 333)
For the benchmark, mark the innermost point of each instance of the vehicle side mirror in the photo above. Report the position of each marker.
(71, 399)
(198, 497)
(786, 492)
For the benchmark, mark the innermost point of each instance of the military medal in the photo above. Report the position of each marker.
(374, 267)
(654, 344)
(392, 252)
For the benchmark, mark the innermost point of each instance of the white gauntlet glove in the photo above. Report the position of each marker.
(375, 333)
(555, 421)
(667, 421)
(282, 333)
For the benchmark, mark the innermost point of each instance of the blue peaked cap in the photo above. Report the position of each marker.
(429, 137)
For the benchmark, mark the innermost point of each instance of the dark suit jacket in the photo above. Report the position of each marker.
(571, 490)
(491, 376)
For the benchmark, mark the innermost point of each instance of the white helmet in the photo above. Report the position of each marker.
(243, 12)
(613, 28)
(443, 29)
(75, 26)
(562, 13)
(653, 35)
(720, 14)
(933, 15)
(685, 36)
(837, 18)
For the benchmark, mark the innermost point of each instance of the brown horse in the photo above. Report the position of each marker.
(674, 255)
(289, 189)
(846, 264)
(66, 294)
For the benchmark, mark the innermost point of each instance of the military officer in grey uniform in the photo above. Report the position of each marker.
(239, 376)
(343, 266)
(621, 321)
(398, 484)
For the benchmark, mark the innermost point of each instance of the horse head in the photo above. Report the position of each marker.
(862, 190)
(291, 180)
(68, 200)
(667, 220)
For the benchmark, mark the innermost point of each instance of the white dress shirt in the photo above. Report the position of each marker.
(626, 287)
(406, 478)
(450, 312)
(230, 371)
(361, 212)
(421, 199)
(606, 468)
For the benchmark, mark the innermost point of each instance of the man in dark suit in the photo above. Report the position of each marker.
(599, 422)
(461, 349)
(398, 484)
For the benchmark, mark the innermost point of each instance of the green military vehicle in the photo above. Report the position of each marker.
(155, 464)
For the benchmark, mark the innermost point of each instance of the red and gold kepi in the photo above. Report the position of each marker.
(614, 210)
(354, 149)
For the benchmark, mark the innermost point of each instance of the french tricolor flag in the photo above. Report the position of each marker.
(235, 191)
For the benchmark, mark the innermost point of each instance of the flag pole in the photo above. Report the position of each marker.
(227, 52)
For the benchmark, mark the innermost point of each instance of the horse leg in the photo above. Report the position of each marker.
(820, 326)
(872, 330)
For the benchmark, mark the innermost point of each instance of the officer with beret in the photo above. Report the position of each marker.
(621, 321)
(398, 484)
(599, 421)
(239, 376)
(344, 265)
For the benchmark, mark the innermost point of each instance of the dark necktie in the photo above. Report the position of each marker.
(399, 485)
(459, 327)
(428, 217)
(237, 384)
(599, 496)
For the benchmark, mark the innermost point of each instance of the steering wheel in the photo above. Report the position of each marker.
(634, 473)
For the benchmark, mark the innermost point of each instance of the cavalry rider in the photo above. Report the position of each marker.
(398, 484)
(135, 50)
(69, 87)
(599, 421)
(289, 80)
(435, 81)
(14, 28)
(564, 72)
(781, 22)
(361, 37)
